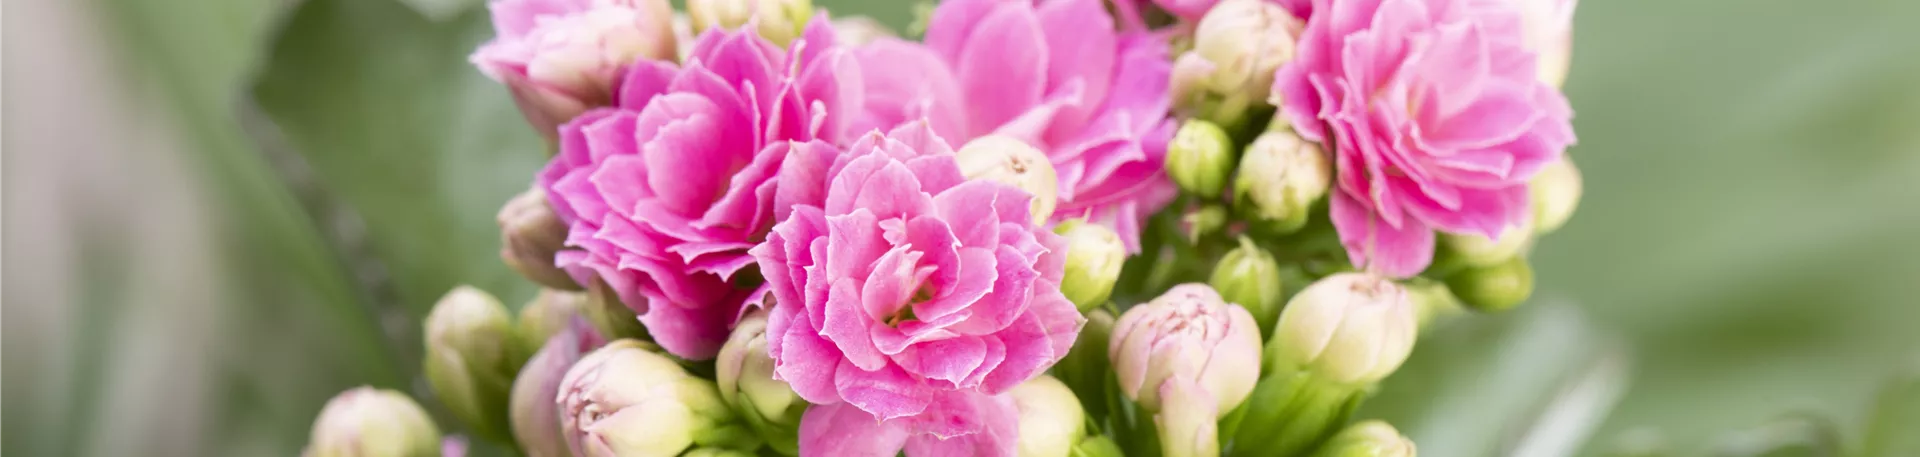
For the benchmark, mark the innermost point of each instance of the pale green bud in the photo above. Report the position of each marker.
(779, 21)
(546, 315)
(1237, 47)
(369, 422)
(1204, 220)
(472, 359)
(1280, 178)
(1094, 257)
(1051, 419)
(1250, 277)
(1496, 288)
(624, 400)
(1188, 420)
(1368, 439)
(745, 374)
(1200, 158)
(530, 234)
(1348, 328)
(1475, 250)
(1003, 159)
(1556, 193)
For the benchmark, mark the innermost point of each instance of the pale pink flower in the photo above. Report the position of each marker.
(561, 58)
(1434, 116)
(1057, 74)
(907, 297)
(665, 192)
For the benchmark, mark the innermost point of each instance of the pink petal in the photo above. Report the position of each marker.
(842, 430)
(1377, 246)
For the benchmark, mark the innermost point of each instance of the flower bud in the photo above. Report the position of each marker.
(625, 400)
(1249, 276)
(1204, 220)
(1548, 25)
(1496, 288)
(745, 372)
(567, 63)
(1005, 160)
(1368, 439)
(1556, 192)
(1051, 420)
(549, 313)
(856, 31)
(779, 21)
(1086, 368)
(453, 446)
(471, 359)
(1094, 257)
(1188, 422)
(1237, 47)
(1097, 446)
(530, 234)
(1188, 333)
(1349, 328)
(1200, 158)
(1475, 250)
(369, 422)
(535, 416)
(1280, 178)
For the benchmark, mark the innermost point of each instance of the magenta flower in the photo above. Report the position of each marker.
(562, 57)
(665, 192)
(908, 296)
(1435, 118)
(1056, 74)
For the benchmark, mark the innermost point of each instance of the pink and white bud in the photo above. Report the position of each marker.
(626, 400)
(560, 58)
(369, 422)
(530, 235)
(1348, 328)
(1009, 161)
(534, 414)
(1549, 34)
(1189, 334)
(1237, 47)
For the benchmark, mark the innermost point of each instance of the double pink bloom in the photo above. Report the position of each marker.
(1435, 117)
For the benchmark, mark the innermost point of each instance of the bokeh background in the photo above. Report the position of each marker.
(218, 213)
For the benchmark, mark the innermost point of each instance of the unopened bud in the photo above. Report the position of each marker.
(1556, 193)
(472, 359)
(1237, 47)
(1496, 288)
(369, 422)
(1348, 328)
(1250, 277)
(1203, 221)
(1200, 158)
(745, 373)
(1368, 439)
(1051, 420)
(1188, 422)
(568, 63)
(1005, 160)
(1548, 25)
(1094, 257)
(530, 234)
(626, 400)
(535, 416)
(1188, 333)
(1280, 178)
(779, 21)
(1475, 250)
(549, 313)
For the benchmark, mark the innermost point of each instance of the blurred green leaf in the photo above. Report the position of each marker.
(1892, 430)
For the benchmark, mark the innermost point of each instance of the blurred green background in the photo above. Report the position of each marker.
(219, 213)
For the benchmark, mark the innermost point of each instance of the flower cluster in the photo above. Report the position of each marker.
(1046, 228)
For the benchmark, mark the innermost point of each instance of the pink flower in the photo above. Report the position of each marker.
(1435, 118)
(563, 57)
(1056, 74)
(665, 192)
(907, 296)
(1192, 10)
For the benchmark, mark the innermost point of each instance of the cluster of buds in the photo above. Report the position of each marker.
(1237, 46)
(779, 21)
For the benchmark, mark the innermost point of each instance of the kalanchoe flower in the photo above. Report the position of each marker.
(561, 58)
(1236, 48)
(1279, 180)
(625, 400)
(779, 21)
(1549, 29)
(1556, 193)
(472, 357)
(745, 373)
(1348, 328)
(535, 415)
(1094, 257)
(1368, 439)
(369, 422)
(1435, 118)
(1188, 335)
(907, 296)
(1051, 419)
(1057, 74)
(530, 234)
(1009, 161)
(665, 192)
